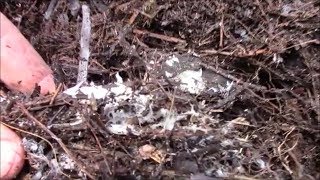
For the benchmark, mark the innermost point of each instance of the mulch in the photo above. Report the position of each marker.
(263, 122)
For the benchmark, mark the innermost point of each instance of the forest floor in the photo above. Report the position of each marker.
(177, 89)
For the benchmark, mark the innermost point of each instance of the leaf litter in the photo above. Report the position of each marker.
(173, 90)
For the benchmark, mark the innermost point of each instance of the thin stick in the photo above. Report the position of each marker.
(133, 17)
(315, 84)
(100, 147)
(213, 51)
(221, 32)
(158, 36)
(55, 94)
(63, 146)
(316, 41)
(286, 165)
(235, 54)
(229, 76)
(84, 44)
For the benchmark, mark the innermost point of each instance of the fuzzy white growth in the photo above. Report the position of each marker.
(172, 60)
(73, 91)
(261, 163)
(2, 99)
(169, 75)
(122, 129)
(97, 92)
(118, 89)
(169, 119)
(65, 162)
(192, 81)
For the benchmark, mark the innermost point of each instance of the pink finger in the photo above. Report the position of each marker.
(12, 153)
(21, 67)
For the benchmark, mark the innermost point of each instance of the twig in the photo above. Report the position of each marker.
(252, 53)
(37, 108)
(213, 51)
(158, 36)
(243, 177)
(100, 147)
(133, 17)
(298, 164)
(55, 94)
(100, 65)
(316, 41)
(228, 76)
(221, 31)
(63, 146)
(236, 54)
(123, 7)
(84, 45)
(285, 164)
(316, 102)
(55, 115)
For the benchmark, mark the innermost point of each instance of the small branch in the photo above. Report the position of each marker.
(221, 24)
(316, 41)
(55, 94)
(63, 146)
(158, 36)
(237, 54)
(133, 17)
(233, 78)
(100, 147)
(84, 44)
(316, 87)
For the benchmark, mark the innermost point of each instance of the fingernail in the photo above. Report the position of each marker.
(47, 84)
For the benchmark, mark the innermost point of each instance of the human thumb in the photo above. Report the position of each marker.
(12, 153)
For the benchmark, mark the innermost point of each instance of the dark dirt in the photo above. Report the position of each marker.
(266, 127)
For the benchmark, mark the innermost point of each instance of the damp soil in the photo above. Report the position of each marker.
(265, 127)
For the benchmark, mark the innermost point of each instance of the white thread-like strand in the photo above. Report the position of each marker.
(84, 44)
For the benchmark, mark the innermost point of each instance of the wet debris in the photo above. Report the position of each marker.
(174, 90)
